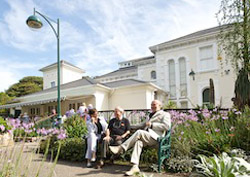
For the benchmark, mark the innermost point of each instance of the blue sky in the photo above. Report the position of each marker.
(95, 34)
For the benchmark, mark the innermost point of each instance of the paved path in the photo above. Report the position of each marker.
(30, 163)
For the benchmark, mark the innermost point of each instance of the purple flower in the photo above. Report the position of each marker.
(61, 136)
(217, 130)
(2, 127)
(182, 133)
(238, 112)
(28, 131)
(224, 117)
(208, 132)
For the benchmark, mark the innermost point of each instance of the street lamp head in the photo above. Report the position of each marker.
(192, 74)
(34, 22)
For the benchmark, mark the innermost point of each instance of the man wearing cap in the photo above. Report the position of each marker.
(155, 126)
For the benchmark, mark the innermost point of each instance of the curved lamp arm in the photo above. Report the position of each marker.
(48, 20)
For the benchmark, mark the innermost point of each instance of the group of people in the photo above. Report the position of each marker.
(114, 136)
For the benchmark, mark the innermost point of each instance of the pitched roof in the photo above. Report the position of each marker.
(138, 59)
(62, 62)
(125, 82)
(209, 31)
(81, 82)
(120, 71)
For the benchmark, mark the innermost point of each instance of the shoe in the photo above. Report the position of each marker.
(116, 149)
(132, 171)
(89, 165)
(99, 165)
(93, 160)
(101, 162)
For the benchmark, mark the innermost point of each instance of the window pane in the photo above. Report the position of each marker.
(206, 57)
(205, 96)
(153, 75)
(183, 77)
(53, 84)
(172, 86)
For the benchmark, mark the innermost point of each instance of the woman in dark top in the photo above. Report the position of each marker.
(96, 126)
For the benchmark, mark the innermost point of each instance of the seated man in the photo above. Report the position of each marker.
(117, 131)
(155, 126)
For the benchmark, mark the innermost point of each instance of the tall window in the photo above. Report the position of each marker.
(78, 105)
(53, 84)
(153, 74)
(183, 77)
(172, 86)
(205, 96)
(50, 109)
(206, 58)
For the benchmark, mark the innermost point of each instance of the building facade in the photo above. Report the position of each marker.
(183, 67)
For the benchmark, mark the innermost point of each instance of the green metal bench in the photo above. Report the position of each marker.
(164, 148)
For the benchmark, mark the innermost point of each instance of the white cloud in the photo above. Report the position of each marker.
(123, 30)
(7, 78)
(12, 71)
(95, 35)
(17, 34)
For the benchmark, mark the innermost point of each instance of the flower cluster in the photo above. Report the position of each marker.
(29, 129)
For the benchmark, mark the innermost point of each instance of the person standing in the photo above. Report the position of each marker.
(155, 126)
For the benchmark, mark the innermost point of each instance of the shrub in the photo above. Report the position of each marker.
(75, 127)
(72, 149)
(241, 130)
(4, 127)
(179, 164)
(210, 132)
(221, 166)
(49, 141)
(180, 160)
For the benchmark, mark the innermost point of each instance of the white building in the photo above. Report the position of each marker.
(181, 67)
(128, 93)
(68, 73)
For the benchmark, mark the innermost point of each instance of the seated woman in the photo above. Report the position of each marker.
(96, 126)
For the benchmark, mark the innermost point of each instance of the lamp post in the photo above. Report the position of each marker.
(192, 74)
(34, 22)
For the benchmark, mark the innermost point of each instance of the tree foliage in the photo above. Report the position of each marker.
(234, 39)
(25, 86)
(4, 98)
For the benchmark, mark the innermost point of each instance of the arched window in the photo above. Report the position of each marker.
(183, 77)
(153, 74)
(205, 96)
(172, 85)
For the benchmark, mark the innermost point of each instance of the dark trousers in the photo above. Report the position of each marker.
(106, 144)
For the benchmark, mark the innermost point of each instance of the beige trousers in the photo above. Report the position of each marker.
(140, 139)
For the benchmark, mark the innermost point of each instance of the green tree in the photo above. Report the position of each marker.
(234, 39)
(4, 98)
(25, 86)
